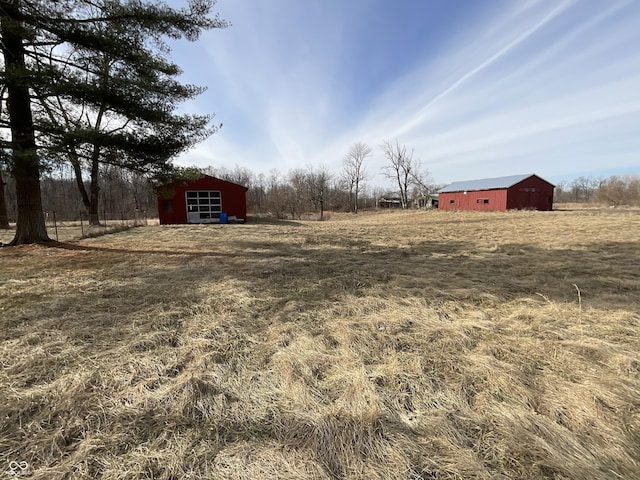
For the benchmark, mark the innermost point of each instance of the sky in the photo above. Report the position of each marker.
(476, 88)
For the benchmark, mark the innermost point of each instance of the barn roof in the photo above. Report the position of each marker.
(486, 183)
(199, 180)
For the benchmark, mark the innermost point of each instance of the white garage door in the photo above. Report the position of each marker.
(203, 206)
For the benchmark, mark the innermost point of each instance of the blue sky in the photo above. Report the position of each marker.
(478, 88)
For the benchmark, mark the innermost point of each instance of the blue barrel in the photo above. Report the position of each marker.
(223, 217)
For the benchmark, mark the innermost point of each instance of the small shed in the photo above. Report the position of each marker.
(515, 192)
(426, 201)
(205, 200)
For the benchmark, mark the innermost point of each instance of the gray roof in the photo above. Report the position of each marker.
(486, 183)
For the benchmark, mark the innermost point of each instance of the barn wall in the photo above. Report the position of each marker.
(533, 192)
(233, 199)
(178, 213)
(497, 200)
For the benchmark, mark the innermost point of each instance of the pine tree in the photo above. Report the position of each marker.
(72, 68)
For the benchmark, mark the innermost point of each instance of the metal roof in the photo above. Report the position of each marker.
(485, 183)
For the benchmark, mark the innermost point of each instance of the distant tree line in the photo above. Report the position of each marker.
(121, 193)
(297, 193)
(300, 193)
(616, 190)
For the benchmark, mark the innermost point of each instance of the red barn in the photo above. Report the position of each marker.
(515, 192)
(206, 200)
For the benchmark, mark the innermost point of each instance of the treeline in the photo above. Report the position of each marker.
(125, 195)
(296, 194)
(317, 189)
(121, 193)
(616, 190)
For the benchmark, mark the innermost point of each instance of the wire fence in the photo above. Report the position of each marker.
(78, 226)
(82, 227)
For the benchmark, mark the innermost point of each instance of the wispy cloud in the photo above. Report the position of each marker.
(511, 87)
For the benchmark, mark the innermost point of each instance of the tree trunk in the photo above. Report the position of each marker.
(4, 218)
(25, 168)
(355, 203)
(405, 191)
(77, 170)
(30, 226)
(90, 199)
(94, 190)
(94, 215)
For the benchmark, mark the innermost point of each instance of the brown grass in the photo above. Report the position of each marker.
(397, 345)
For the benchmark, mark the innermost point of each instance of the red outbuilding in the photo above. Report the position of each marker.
(206, 200)
(515, 192)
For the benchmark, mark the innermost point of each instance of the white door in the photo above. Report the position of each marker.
(203, 206)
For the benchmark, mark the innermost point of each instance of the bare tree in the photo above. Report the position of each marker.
(583, 188)
(423, 186)
(562, 192)
(318, 181)
(298, 192)
(276, 199)
(354, 171)
(257, 194)
(402, 168)
(619, 190)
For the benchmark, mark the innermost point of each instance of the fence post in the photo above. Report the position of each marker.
(55, 224)
(81, 226)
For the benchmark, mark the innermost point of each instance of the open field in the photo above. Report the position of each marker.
(396, 345)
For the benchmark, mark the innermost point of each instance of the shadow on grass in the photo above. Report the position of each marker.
(316, 271)
(145, 309)
(95, 248)
(257, 220)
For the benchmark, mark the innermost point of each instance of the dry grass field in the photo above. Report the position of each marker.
(396, 345)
